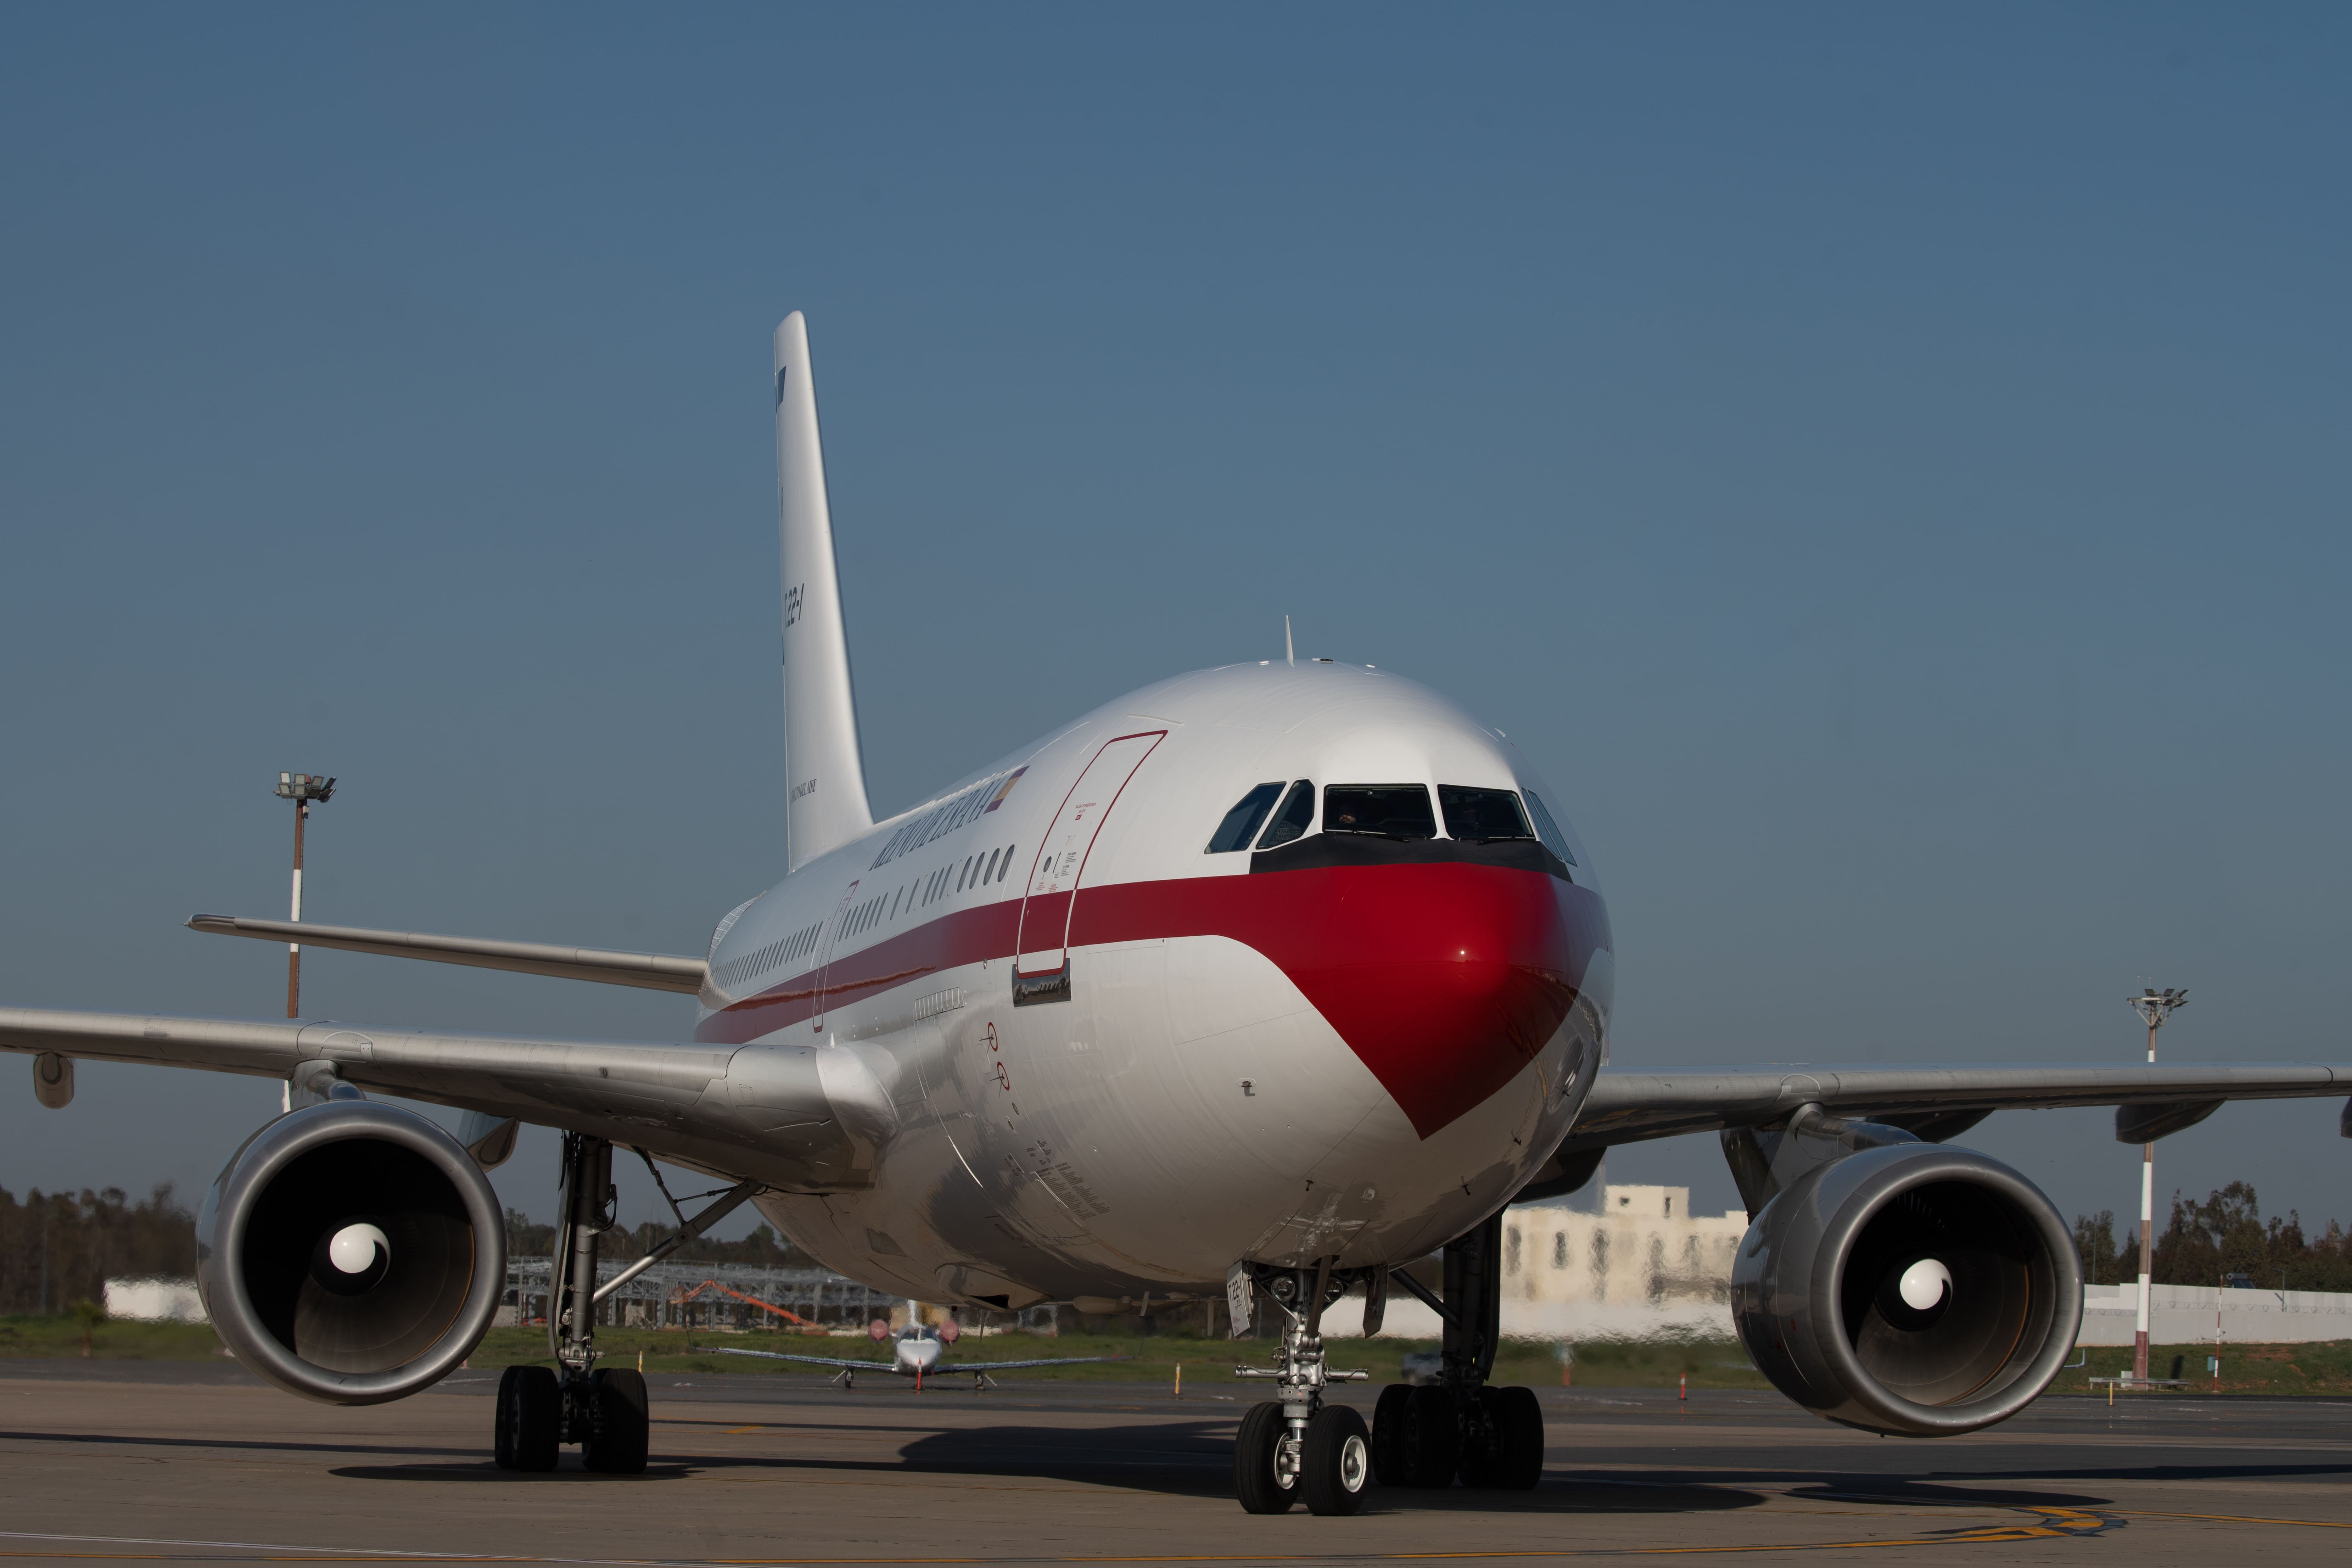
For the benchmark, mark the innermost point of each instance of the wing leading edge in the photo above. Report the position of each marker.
(1629, 1108)
(800, 1118)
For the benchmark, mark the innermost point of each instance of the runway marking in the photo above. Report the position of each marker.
(732, 1430)
(2050, 1523)
(2240, 1518)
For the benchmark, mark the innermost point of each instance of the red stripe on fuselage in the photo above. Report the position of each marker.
(1445, 979)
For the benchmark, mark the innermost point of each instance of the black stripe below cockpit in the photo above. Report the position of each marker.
(1322, 850)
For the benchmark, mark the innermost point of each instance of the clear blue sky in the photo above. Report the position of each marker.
(1888, 466)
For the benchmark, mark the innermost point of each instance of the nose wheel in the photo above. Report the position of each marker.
(1295, 1445)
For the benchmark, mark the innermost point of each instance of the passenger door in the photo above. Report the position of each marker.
(1043, 946)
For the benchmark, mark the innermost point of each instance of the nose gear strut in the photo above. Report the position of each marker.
(1294, 1443)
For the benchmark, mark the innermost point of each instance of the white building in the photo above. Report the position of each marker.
(155, 1300)
(1644, 1267)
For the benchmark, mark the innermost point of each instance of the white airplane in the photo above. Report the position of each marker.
(1253, 983)
(917, 1350)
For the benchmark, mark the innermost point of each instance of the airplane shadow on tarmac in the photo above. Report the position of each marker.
(1195, 1459)
(1187, 1459)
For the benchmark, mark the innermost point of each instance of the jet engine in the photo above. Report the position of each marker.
(351, 1252)
(1910, 1289)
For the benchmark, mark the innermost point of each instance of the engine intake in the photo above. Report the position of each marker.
(1911, 1289)
(351, 1252)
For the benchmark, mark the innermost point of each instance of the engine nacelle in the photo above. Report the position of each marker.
(1912, 1289)
(351, 1252)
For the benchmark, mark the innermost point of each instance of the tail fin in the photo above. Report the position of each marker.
(827, 806)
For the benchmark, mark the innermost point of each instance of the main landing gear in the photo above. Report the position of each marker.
(1458, 1426)
(602, 1409)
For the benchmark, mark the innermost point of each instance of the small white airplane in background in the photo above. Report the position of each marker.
(918, 1350)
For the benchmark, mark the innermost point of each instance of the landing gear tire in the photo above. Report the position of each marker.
(1432, 1437)
(1260, 1480)
(529, 1419)
(623, 1427)
(1337, 1464)
(1392, 1463)
(1510, 1449)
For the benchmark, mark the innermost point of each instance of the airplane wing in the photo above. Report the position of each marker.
(803, 1117)
(1628, 1107)
(1935, 1103)
(652, 970)
(997, 1366)
(810, 1360)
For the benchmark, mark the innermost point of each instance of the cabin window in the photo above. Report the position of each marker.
(988, 874)
(1001, 872)
(1554, 839)
(1391, 811)
(1483, 815)
(1297, 816)
(1241, 823)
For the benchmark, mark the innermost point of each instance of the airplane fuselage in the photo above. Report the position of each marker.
(1115, 1062)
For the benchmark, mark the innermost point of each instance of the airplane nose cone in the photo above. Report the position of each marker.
(1447, 980)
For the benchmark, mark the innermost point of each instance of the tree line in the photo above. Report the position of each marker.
(2204, 1243)
(56, 1248)
(763, 1248)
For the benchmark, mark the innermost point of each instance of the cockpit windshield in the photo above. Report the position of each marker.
(1482, 816)
(1241, 824)
(1297, 816)
(1391, 811)
(1554, 839)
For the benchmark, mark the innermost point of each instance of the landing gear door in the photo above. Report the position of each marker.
(1047, 903)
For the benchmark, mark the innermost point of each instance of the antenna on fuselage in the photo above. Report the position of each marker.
(1289, 656)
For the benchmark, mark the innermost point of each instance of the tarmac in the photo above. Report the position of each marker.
(157, 1461)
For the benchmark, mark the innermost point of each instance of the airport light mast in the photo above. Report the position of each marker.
(2155, 1006)
(303, 789)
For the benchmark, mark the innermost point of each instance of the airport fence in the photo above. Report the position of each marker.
(731, 1296)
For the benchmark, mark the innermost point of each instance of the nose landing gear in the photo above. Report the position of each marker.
(1294, 1444)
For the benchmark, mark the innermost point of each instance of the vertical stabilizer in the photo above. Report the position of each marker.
(826, 808)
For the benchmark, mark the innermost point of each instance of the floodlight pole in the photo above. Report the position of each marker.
(2155, 1006)
(301, 789)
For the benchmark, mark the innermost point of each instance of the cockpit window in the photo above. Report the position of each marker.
(1297, 816)
(1482, 814)
(1391, 811)
(1554, 839)
(1241, 824)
